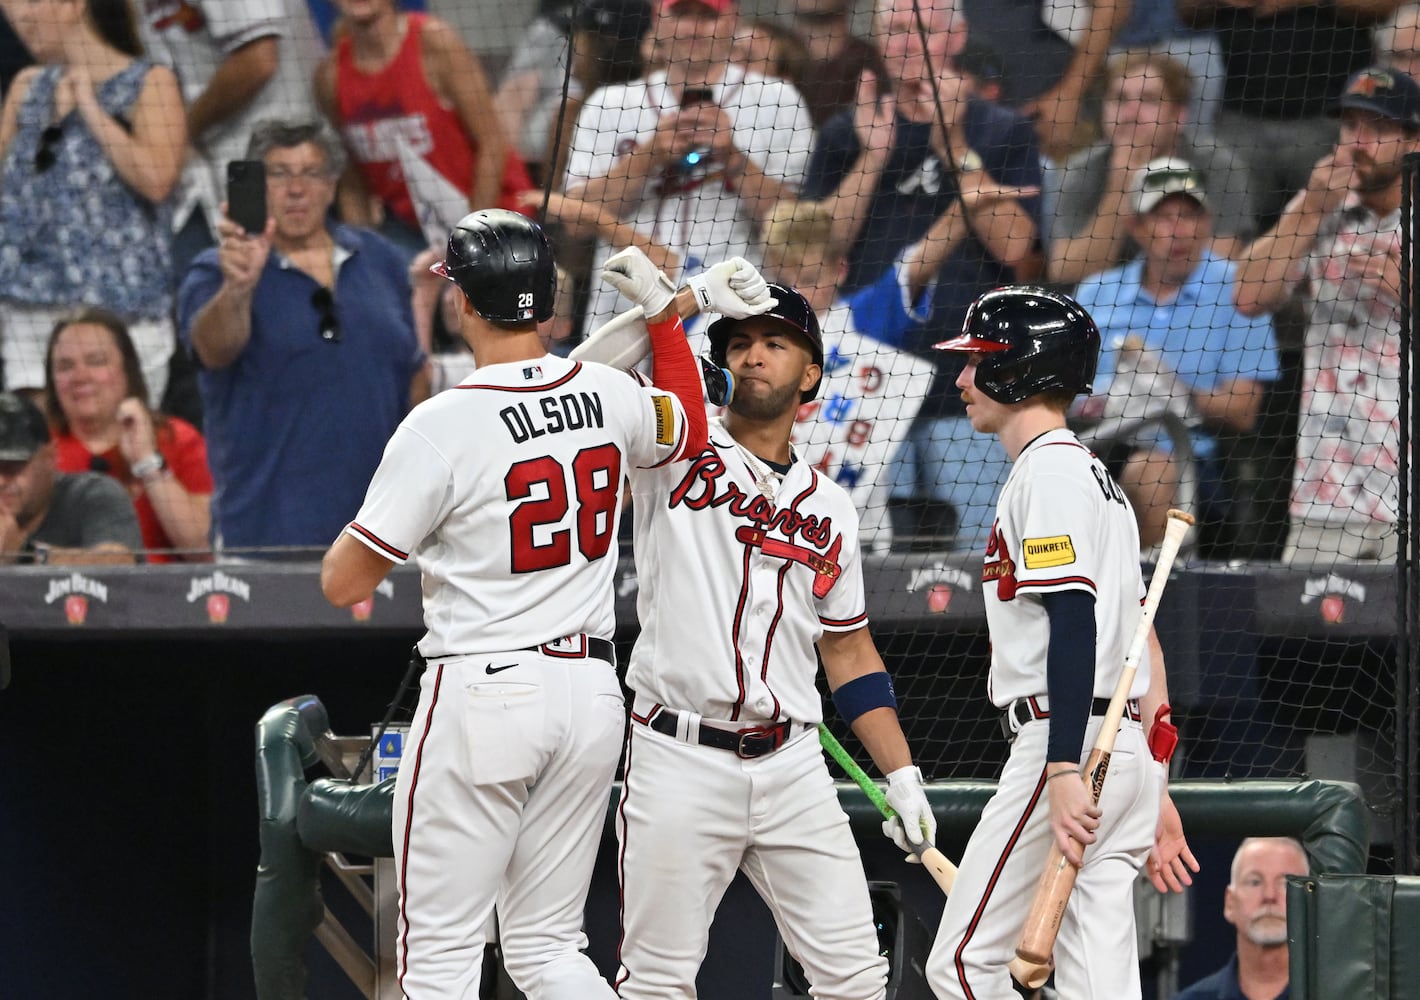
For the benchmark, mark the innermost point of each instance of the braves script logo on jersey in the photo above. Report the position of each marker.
(705, 486)
(999, 566)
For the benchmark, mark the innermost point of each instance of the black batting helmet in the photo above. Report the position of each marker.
(503, 263)
(793, 310)
(1034, 340)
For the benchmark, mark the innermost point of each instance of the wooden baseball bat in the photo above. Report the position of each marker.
(1058, 878)
(943, 872)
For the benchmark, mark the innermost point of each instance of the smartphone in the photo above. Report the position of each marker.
(696, 95)
(246, 195)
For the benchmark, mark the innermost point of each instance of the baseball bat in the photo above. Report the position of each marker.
(1058, 878)
(943, 872)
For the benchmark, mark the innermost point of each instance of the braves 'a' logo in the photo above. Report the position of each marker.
(999, 566)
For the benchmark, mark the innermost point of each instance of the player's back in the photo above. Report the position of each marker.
(530, 460)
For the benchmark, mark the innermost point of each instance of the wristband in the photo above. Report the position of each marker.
(863, 694)
(146, 468)
(1163, 735)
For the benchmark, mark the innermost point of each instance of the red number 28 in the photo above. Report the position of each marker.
(596, 481)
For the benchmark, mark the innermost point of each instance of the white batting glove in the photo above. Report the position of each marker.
(732, 288)
(632, 274)
(914, 822)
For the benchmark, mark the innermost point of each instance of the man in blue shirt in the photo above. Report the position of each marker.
(1256, 904)
(1173, 340)
(307, 351)
(890, 170)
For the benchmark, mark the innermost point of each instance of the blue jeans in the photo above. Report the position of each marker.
(944, 459)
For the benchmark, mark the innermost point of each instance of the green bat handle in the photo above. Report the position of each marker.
(850, 767)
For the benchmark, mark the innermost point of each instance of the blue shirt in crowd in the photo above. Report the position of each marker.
(297, 423)
(914, 190)
(1199, 335)
(1222, 985)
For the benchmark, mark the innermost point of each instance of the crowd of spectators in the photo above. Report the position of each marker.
(1218, 181)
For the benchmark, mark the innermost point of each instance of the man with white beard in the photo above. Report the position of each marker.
(1256, 904)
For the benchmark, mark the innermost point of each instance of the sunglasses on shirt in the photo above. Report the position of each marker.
(324, 303)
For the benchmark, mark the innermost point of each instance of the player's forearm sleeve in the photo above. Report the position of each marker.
(673, 369)
(1069, 669)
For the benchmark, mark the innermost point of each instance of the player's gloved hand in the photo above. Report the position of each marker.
(914, 822)
(732, 288)
(632, 274)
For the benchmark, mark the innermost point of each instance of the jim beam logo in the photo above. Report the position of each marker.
(361, 611)
(218, 589)
(76, 590)
(1332, 593)
(940, 581)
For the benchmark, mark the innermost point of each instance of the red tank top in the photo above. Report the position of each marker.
(398, 100)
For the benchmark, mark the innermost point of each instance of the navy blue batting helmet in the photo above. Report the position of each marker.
(1034, 340)
(503, 263)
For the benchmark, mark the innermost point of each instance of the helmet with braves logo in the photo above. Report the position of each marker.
(791, 309)
(1032, 340)
(503, 263)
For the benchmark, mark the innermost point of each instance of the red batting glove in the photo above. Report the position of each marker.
(1163, 735)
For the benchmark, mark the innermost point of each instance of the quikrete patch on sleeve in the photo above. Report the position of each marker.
(1045, 553)
(665, 420)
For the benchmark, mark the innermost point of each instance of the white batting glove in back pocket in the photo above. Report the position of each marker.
(504, 731)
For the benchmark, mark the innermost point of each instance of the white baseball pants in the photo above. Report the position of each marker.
(1096, 953)
(691, 816)
(501, 799)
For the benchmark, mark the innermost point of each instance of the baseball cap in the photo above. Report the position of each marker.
(1388, 92)
(1164, 176)
(718, 6)
(620, 20)
(23, 429)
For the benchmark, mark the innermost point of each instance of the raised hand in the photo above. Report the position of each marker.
(732, 288)
(633, 274)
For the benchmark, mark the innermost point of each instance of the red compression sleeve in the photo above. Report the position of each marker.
(673, 368)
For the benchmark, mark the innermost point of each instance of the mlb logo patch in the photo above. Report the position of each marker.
(532, 372)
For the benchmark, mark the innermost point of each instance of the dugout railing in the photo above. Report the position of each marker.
(308, 821)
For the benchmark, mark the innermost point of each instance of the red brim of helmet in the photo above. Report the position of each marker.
(441, 268)
(966, 342)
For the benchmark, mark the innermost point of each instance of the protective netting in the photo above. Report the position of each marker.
(1218, 184)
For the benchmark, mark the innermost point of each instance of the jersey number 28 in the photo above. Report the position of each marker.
(596, 482)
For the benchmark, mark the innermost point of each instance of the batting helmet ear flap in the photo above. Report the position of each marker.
(719, 383)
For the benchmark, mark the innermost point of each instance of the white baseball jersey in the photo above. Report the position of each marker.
(699, 214)
(507, 490)
(194, 37)
(1062, 523)
(732, 635)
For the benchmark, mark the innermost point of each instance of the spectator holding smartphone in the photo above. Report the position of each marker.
(91, 144)
(695, 154)
(307, 351)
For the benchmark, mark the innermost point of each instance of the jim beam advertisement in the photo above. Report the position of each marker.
(75, 592)
(216, 591)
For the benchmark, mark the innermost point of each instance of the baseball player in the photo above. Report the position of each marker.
(747, 558)
(1063, 589)
(507, 490)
